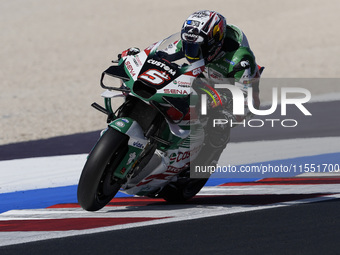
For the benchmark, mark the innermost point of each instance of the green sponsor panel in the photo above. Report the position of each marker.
(128, 162)
(122, 124)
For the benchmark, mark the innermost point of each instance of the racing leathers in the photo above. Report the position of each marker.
(234, 64)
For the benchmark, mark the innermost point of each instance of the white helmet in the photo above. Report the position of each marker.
(203, 34)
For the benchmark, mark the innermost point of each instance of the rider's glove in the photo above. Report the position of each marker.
(242, 65)
(129, 52)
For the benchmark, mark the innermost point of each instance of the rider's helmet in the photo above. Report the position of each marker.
(202, 35)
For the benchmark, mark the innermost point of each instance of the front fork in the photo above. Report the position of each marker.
(141, 142)
(142, 136)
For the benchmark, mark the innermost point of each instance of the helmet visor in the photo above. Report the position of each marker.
(192, 51)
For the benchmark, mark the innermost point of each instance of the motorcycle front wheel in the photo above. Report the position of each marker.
(97, 185)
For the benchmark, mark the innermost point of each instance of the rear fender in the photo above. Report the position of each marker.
(136, 144)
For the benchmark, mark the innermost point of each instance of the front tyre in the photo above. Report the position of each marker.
(97, 185)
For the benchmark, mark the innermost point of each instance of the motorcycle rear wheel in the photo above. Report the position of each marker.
(96, 185)
(181, 193)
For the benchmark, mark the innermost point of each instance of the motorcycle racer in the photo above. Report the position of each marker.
(224, 48)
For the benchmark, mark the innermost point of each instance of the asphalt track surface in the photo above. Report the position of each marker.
(309, 228)
(304, 229)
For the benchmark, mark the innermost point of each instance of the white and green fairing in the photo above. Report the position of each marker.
(186, 138)
(136, 144)
(180, 86)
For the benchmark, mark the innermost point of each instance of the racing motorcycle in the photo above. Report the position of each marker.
(154, 134)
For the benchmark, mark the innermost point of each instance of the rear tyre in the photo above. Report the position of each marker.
(179, 193)
(186, 187)
(97, 185)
